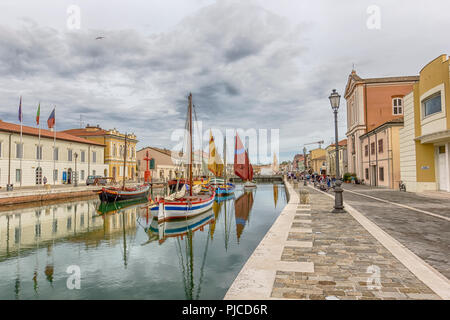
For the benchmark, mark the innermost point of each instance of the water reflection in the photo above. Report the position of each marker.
(122, 242)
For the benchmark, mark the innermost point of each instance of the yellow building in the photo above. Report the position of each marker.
(114, 142)
(318, 162)
(425, 137)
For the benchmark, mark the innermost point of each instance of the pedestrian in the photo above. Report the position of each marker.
(45, 180)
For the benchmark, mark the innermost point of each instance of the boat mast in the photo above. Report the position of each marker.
(190, 145)
(124, 161)
(225, 159)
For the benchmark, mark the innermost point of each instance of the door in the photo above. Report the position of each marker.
(69, 176)
(373, 176)
(443, 171)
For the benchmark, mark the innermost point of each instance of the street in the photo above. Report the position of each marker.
(428, 236)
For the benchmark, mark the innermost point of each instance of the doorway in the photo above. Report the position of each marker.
(373, 176)
(69, 176)
(443, 169)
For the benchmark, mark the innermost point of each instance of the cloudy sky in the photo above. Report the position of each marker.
(257, 64)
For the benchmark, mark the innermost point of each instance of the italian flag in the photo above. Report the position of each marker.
(38, 114)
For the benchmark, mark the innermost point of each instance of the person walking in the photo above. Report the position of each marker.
(44, 180)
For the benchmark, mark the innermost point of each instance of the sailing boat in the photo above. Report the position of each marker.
(182, 203)
(242, 167)
(223, 188)
(122, 194)
(275, 167)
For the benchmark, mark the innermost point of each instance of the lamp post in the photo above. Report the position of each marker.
(304, 161)
(338, 197)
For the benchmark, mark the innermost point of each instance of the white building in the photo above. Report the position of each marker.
(56, 159)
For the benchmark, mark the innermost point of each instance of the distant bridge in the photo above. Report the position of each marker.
(260, 178)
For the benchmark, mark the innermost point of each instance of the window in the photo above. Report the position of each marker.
(367, 173)
(0, 149)
(39, 152)
(82, 175)
(55, 175)
(19, 151)
(397, 106)
(56, 154)
(366, 150)
(114, 150)
(432, 105)
(69, 223)
(380, 146)
(372, 148)
(93, 172)
(69, 155)
(83, 156)
(37, 230)
(55, 226)
(18, 175)
(94, 156)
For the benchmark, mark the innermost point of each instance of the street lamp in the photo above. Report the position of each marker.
(304, 161)
(338, 197)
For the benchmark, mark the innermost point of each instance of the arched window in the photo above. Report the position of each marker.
(397, 106)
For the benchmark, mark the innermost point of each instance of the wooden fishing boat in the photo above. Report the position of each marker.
(120, 194)
(222, 186)
(113, 194)
(183, 201)
(225, 190)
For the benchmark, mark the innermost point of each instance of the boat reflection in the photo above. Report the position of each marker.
(183, 230)
(242, 209)
(25, 231)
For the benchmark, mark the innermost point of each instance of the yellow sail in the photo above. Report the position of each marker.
(215, 164)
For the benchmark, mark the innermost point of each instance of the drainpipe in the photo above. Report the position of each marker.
(376, 160)
(9, 164)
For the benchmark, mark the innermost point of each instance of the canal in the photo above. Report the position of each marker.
(81, 250)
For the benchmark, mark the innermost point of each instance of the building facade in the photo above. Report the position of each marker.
(331, 158)
(318, 162)
(59, 161)
(114, 154)
(381, 155)
(167, 165)
(370, 103)
(425, 138)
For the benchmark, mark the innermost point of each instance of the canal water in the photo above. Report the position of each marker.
(81, 250)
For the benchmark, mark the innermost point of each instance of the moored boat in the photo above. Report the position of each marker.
(123, 194)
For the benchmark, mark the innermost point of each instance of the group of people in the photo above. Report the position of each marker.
(324, 181)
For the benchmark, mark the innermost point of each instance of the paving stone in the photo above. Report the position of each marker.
(343, 270)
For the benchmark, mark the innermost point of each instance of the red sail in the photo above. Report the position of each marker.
(240, 160)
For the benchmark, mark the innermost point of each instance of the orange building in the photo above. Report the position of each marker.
(370, 104)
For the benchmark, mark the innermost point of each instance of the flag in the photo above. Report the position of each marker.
(215, 164)
(20, 109)
(38, 114)
(51, 119)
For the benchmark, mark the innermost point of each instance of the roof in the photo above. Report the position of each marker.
(86, 132)
(31, 131)
(389, 123)
(354, 79)
(341, 143)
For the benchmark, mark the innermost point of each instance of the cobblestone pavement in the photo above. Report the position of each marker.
(347, 260)
(427, 236)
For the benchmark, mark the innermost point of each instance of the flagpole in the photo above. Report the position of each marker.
(21, 142)
(39, 148)
(54, 150)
